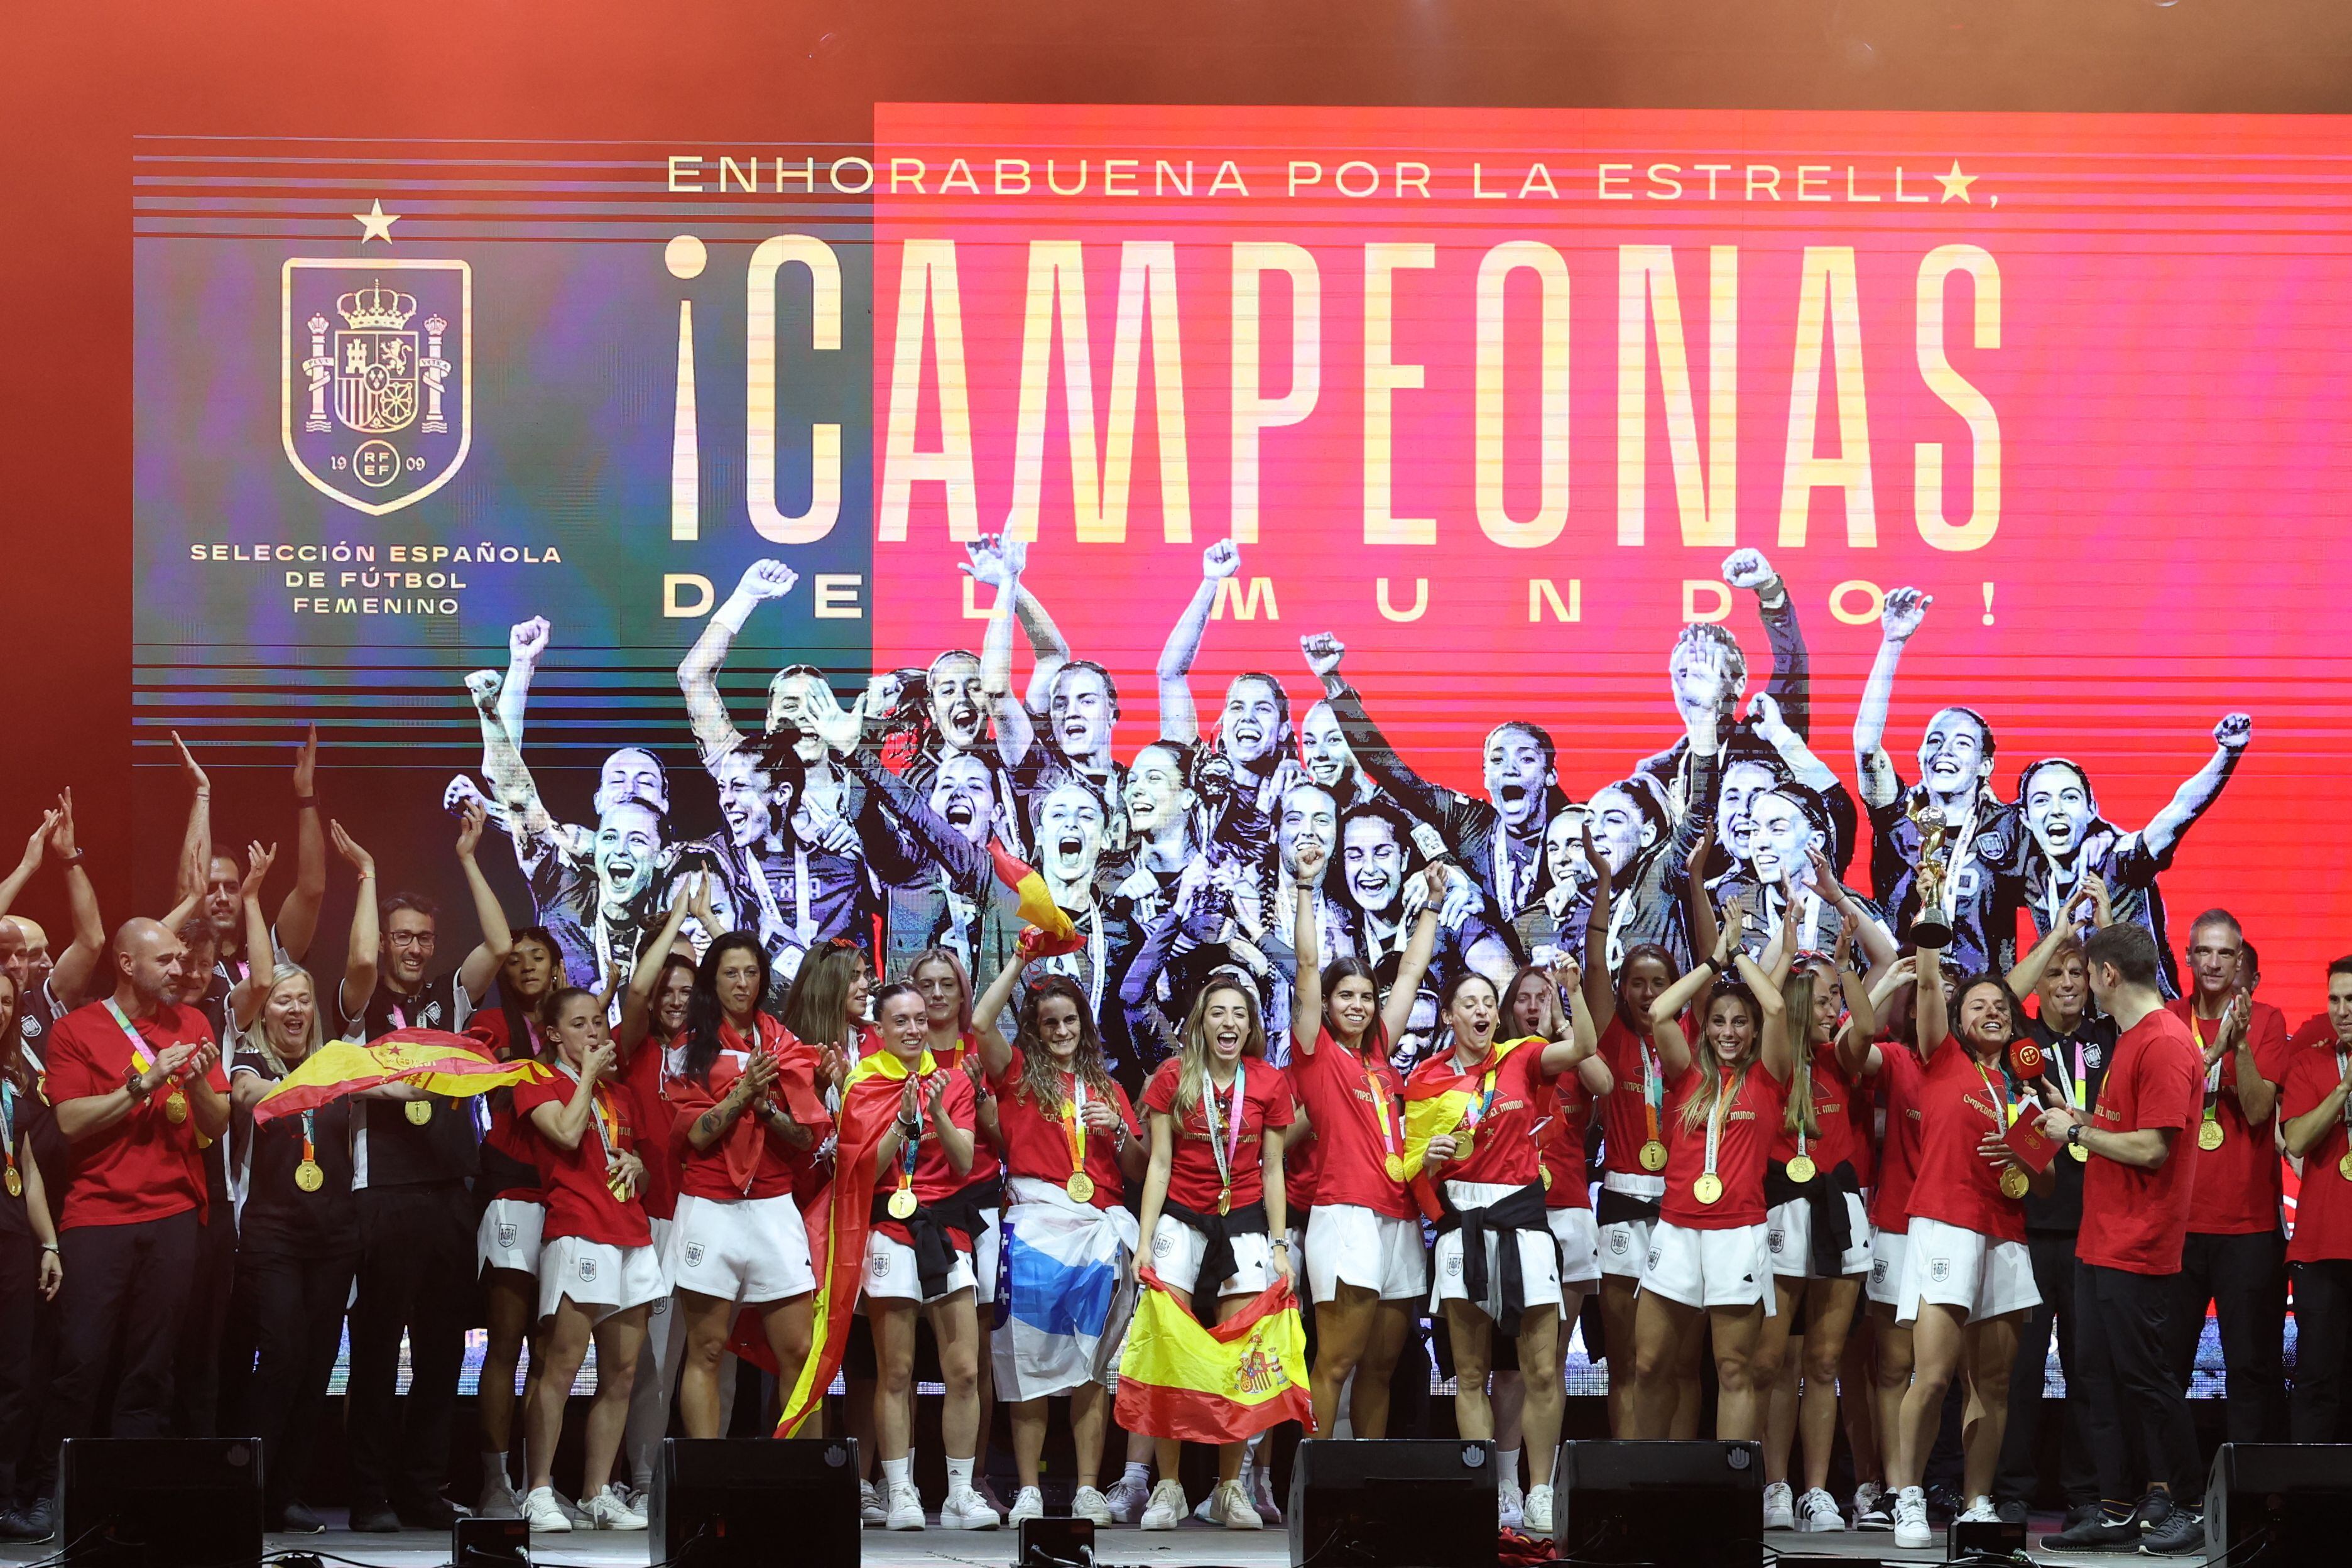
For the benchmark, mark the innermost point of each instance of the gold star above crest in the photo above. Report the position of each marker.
(376, 224)
(1956, 184)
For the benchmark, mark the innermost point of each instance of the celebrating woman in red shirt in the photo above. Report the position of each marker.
(1364, 1264)
(599, 1275)
(1496, 1265)
(1213, 1195)
(1708, 1257)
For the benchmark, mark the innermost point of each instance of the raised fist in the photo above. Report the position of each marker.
(2233, 731)
(1221, 559)
(525, 640)
(1323, 652)
(768, 579)
(1746, 569)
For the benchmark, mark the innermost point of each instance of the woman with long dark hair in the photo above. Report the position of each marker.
(1213, 1195)
(1707, 1263)
(746, 1109)
(1071, 1146)
(1478, 1106)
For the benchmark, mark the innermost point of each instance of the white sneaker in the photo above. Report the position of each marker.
(572, 1511)
(1536, 1515)
(499, 1500)
(1089, 1504)
(1166, 1508)
(906, 1509)
(1780, 1511)
(1259, 1484)
(608, 1509)
(1911, 1532)
(869, 1504)
(1125, 1500)
(1509, 1507)
(545, 1516)
(1870, 1501)
(1234, 1509)
(967, 1509)
(1030, 1504)
(1818, 1511)
(1979, 1512)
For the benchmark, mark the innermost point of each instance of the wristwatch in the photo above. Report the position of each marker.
(134, 1084)
(2075, 1134)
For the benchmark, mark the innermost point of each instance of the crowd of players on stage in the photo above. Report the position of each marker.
(1427, 1055)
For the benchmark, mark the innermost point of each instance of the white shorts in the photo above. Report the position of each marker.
(891, 1273)
(661, 1229)
(1789, 1237)
(987, 1249)
(1538, 1259)
(1708, 1268)
(508, 1236)
(750, 1250)
(1625, 1243)
(1965, 1269)
(1176, 1250)
(1886, 1250)
(1579, 1245)
(600, 1276)
(1350, 1245)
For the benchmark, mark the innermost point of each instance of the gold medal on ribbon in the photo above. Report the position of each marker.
(1708, 1188)
(1080, 1187)
(1395, 1167)
(1654, 1156)
(16, 1183)
(420, 1111)
(902, 1204)
(2210, 1135)
(1802, 1170)
(175, 1107)
(2343, 1168)
(1545, 1172)
(309, 1176)
(1226, 1201)
(2014, 1181)
(2082, 1155)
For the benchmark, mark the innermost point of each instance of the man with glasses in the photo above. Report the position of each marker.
(2235, 1256)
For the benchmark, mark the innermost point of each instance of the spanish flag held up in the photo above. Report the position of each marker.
(1223, 1385)
(431, 1059)
(1026, 889)
(1437, 1101)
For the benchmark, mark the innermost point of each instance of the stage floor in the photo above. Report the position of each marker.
(1192, 1546)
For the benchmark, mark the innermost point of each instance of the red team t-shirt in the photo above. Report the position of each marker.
(1349, 1160)
(578, 1201)
(1511, 1095)
(1265, 1094)
(2238, 1184)
(1561, 1145)
(2323, 1211)
(1835, 1144)
(146, 1166)
(1624, 1112)
(505, 1135)
(934, 1175)
(660, 1140)
(1953, 1182)
(1037, 1141)
(1902, 1075)
(1757, 1106)
(2135, 1220)
(777, 1167)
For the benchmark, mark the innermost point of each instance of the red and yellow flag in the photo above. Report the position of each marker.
(433, 1059)
(1223, 1384)
(1054, 935)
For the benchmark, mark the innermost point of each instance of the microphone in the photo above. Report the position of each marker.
(2027, 1057)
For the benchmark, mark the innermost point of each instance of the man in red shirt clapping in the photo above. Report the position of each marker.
(2314, 1102)
(2140, 1144)
(137, 1082)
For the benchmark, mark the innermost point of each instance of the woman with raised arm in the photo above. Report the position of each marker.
(1707, 1262)
(1072, 1145)
(1365, 1271)
(1818, 1233)
(745, 1106)
(1212, 1196)
(598, 1273)
(1967, 1278)
(1476, 1111)
(918, 1255)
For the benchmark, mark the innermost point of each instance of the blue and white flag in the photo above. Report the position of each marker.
(1069, 1294)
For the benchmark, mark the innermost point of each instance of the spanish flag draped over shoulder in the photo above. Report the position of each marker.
(1223, 1385)
(1437, 1097)
(1055, 933)
(838, 1223)
(433, 1059)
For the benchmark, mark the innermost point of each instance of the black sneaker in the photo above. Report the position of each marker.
(2012, 1511)
(2182, 1534)
(428, 1513)
(40, 1519)
(2154, 1508)
(2098, 1534)
(18, 1524)
(296, 1519)
(2081, 1514)
(374, 1518)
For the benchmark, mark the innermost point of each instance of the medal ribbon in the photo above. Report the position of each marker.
(2343, 1060)
(910, 1149)
(608, 1124)
(2212, 1074)
(8, 1128)
(1226, 1142)
(140, 1059)
(1073, 1123)
(1805, 1078)
(1392, 1146)
(309, 1150)
(2004, 1113)
(1715, 1118)
(1653, 1088)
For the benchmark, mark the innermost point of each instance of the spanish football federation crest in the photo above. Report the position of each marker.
(377, 376)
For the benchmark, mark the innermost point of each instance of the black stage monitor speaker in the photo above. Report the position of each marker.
(737, 1504)
(160, 1503)
(1694, 1505)
(489, 1543)
(2292, 1496)
(1052, 1541)
(1983, 1538)
(1393, 1504)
